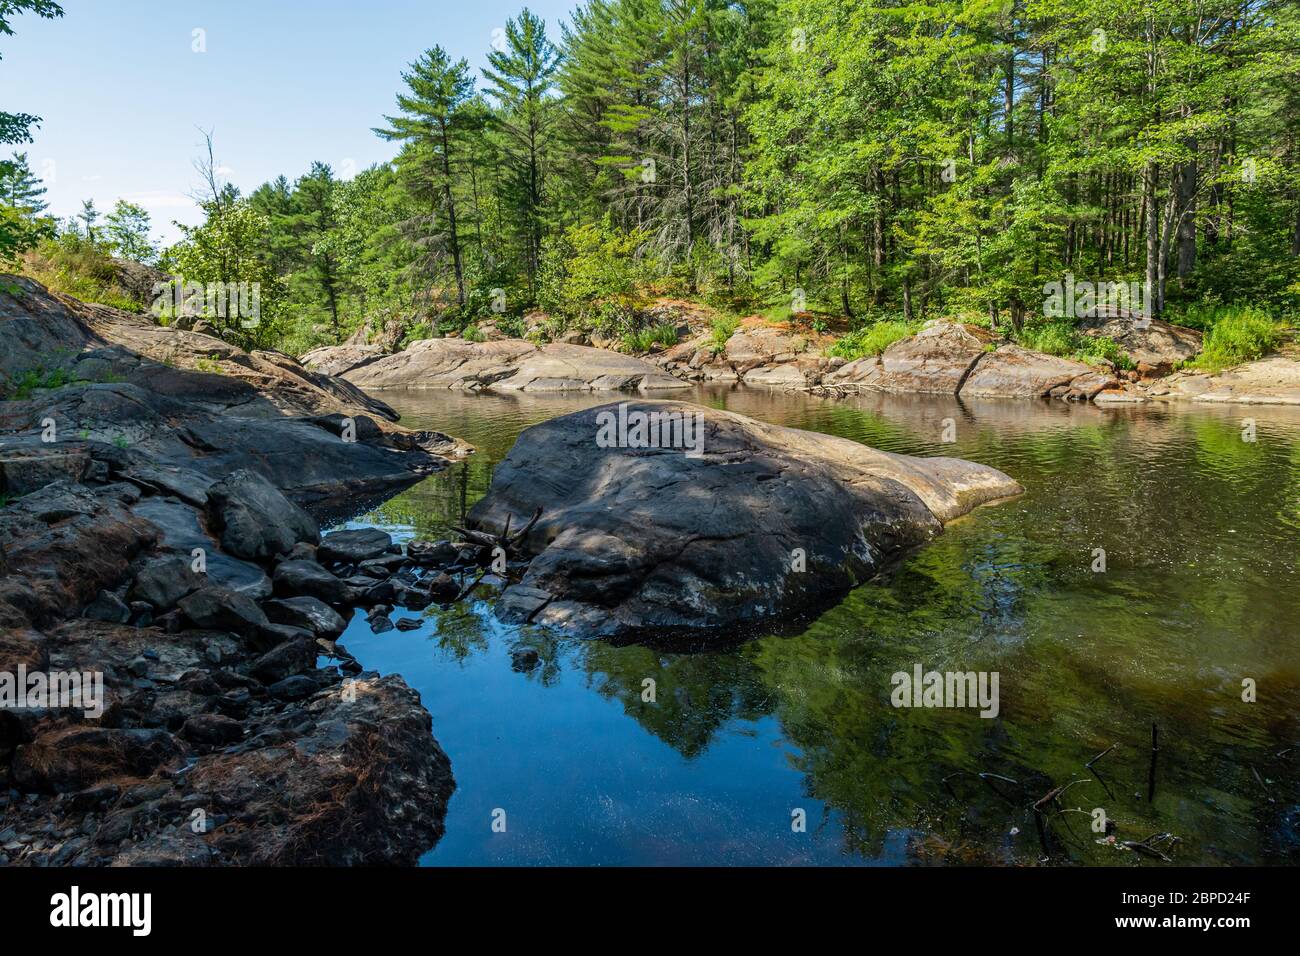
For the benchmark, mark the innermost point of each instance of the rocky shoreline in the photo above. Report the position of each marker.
(943, 358)
(157, 560)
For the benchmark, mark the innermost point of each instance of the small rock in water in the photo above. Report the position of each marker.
(524, 660)
(409, 623)
(353, 547)
(380, 623)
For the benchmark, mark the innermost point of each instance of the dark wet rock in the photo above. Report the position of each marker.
(162, 582)
(222, 609)
(256, 521)
(183, 534)
(441, 588)
(353, 547)
(431, 554)
(383, 566)
(520, 604)
(73, 758)
(214, 729)
(409, 623)
(107, 606)
(524, 660)
(270, 635)
(287, 660)
(25, 468)
(143, 437)
(367, 754)
(766, 521)
(293, 578)
(380, 622)
(308, 613)
(295, 688)
(86, 549)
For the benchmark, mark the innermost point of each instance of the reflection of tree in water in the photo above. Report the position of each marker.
(696, 694)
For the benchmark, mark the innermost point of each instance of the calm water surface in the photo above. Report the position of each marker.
(1201, 590)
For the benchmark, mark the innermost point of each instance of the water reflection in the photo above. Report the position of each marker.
(1202, 565)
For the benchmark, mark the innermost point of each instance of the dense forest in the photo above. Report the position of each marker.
(864, 160)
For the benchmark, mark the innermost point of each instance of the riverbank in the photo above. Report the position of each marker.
(942, 358)
(157, 558)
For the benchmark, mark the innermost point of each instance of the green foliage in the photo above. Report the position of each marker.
(663, 334)
(588, 268)
(472, 333)
(723, 328)
(127, 232)
(22, 385)
(872, 339)
(1236, 335)
(1061, 338)
(74, 265)
(226, 252)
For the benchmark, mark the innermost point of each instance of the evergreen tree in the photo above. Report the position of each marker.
(520, 79)
(430, 126)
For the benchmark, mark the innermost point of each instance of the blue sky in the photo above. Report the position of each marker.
(122, 94)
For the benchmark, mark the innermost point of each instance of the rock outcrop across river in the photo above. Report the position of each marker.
(762, 522)
(502, 365)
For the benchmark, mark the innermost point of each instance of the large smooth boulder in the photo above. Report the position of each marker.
(766, 521)
(257, 521)
(508, 365)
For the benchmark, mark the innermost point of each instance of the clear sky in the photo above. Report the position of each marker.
(122, 93)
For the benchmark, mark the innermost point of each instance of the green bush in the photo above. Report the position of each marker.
(642, 340)
(723, 329)
(22, 386)
(872, 339)
(76, 266)
(472, 333)
(1237, 334)
(588, 267)
(1062, 339)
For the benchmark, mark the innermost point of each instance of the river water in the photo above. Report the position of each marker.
(746, 740)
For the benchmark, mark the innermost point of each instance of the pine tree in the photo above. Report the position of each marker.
(20, 189)
(520, 79)
(430, 125)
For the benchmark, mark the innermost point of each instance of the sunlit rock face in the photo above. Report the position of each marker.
(734, 521)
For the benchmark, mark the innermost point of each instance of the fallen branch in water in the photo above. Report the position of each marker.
(1089, 764)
